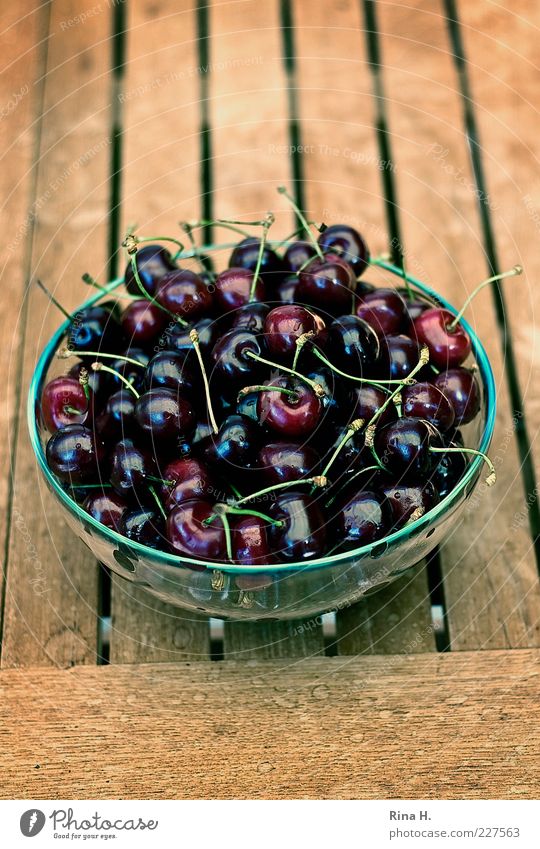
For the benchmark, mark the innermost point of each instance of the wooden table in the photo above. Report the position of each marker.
(398, 119)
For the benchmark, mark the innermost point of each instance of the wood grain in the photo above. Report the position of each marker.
(342, 170)
(158, 96)
(251, 157)
(490, 576)
(340, 728)
(51, 594)
(24, 28)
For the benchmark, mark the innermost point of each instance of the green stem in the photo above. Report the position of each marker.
(65, 353)
(318, 481)
(53, 300)
(101, 367)
(300, 342)
(234, 511)
(186, 227)
(158, 502)
(491, 478)
(517, 269)
(194, 336)
(267, 223)
(352, 478)
(228, 538)
(317, 388)
(300, 215)
(247, 390)
(353, 428)
(146, 295)
(380, 383)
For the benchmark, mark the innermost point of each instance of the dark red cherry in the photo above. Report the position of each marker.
(163, 414)
(363, 518)
(288, 415)
(399, 355)
(190, 479)
(414, 307)
(169, 369)
(63, 402)
(233, 289)
(232, 367)
(184, 293)
(188, 535)
(352, 344)
(75, 455)
(286, 291)
(130, 467)
(383, 309)
(106, 507)
(177, 338)
(285, 324)
(426, 401)
(298, 254)
(142, 322)
(246, 405)
(327, 284)
(280, 462)
(246, 254)
(462, 390)
(251, 546)
(448, 347)
(144, 525)
(117, 419)
(403, 447)
(153, 263)
(367, 400)
(347, 243)
(251, 317)
(94, 329)
(235, 446)
(302, 536)
(405, 499)
(448, 472)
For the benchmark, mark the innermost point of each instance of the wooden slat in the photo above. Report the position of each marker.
(342, 171)
(429, 726)
(160, 186)
(490, 576)
(251, 157)
(51, 596)
(23, 31)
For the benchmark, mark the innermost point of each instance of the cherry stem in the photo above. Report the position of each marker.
(408, 381)
(221, 512)
(423, 361)
(317, 480)
(72, 411)
(267, 223)
(247, 390)
(227, 224)
(514, 272)
(91, 281)
(83, 380)
(130, 243)
(141, 239)
(300, 215)
(188, 230)
(352, 478)
(103, 485)
(353, 428)
(65, 353)
(53, 300)
(194, 336)
(317, 388)
(101, 367)
(491, 478)
(238, 511)
(160, 480)
(300, 342)
(158, 501)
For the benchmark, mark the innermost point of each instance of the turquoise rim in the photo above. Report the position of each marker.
(161, 557)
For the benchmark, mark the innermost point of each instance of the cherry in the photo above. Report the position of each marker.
(234, 287)
(246, 405)
(184, 293)
(399, 355)
(298, 254)
(64, 402)
(462, 390)
(302, 536)
(246, 254)
(414, 308)
(367, 400)
(251, 317)
(75, 455)
(189, 479)
(448, 472)
(236, 444)
(448, 347)
(336, 396)
(168, 369)
(286, 461)
(106, 507)
(98, 382)
(383, 309)
(232, 367)
(285, 324)
(164, 415)
(117, 419)
(94, 329)
(188, 534)
(404, 446)
(347, 243)
(177, 338)
(409, 501)
(153, 263)
(327, 283)
(251, 546)
(296, 415)
(353, 344)
(363, 518)
(142, 322)
(426, 401)
(145, 526)
(131, 467)
(129, 371)
(286, 291)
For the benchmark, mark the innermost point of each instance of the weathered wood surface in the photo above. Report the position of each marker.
(428, 726)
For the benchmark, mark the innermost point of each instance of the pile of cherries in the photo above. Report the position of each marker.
(277, 411)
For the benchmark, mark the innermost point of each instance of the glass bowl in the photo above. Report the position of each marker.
(283, 591)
